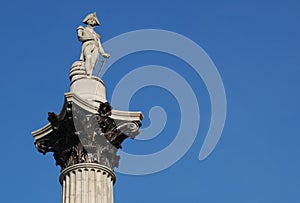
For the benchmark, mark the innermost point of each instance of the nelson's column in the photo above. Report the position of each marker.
(85, 136)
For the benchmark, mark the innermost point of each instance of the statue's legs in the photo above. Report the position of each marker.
(91, 54)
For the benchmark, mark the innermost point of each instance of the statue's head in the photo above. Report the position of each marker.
(91, 19)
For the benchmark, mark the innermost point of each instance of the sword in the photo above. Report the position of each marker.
(102, 65)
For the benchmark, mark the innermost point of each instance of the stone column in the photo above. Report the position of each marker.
(87, 183)
(84, 139)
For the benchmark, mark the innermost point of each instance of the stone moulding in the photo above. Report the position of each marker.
(88, 166)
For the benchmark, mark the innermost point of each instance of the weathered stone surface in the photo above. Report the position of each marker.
(79, 134)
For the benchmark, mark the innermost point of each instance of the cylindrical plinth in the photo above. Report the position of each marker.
(87, 183)
(90, 88)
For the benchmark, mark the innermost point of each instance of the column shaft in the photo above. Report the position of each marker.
(87, 183)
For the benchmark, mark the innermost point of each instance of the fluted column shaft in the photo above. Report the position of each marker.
(87, 183)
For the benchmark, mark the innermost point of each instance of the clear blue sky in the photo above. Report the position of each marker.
(255, 46)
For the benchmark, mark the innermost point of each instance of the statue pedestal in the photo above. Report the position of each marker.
(90, 88)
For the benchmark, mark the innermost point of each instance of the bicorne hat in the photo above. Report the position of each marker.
(93, 16)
